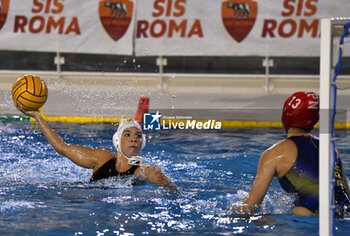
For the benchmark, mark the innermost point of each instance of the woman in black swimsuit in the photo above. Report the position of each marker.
(128, 140)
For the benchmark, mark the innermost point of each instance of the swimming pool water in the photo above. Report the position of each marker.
(43, 193)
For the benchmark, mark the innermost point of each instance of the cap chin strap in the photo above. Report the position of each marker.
(133, 160)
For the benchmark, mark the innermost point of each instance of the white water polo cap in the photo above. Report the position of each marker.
(117, 137)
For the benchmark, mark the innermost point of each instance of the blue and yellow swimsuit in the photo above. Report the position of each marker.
(302, 178)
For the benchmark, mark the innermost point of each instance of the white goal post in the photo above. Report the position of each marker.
(331, 30)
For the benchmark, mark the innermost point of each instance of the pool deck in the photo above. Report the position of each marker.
(197, 96)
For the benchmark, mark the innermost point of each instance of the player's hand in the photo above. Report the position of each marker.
(27, 113)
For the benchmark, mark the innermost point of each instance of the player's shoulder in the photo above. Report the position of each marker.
(151, 167)
(285, 145)
(103, 154)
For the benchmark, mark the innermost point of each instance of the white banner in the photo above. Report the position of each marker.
(79, 26)
(167, 27)
(233, 27)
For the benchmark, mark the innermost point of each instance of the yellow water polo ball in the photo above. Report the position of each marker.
(29, 92)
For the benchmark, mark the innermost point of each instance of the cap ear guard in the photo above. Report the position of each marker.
(143, 145)
(115, 141)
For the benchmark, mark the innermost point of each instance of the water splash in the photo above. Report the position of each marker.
(212, 169)
(15, 205)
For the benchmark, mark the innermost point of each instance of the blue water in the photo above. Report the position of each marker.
(43, 193)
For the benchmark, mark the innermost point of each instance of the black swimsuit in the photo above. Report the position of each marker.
(108, 170)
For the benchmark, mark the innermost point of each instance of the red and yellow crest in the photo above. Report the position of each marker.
(239, 17)
(116, 16)
(4, 8)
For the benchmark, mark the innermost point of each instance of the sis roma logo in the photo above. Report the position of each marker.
(239, 17)
(115, 16)
(4, 8)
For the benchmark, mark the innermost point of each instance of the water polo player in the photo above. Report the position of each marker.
(295, 161)
(128, 140)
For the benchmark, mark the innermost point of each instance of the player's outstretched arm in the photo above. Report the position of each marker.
(80, 155)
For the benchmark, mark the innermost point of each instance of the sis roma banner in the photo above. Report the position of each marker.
(233, 27)
(78, 26)
(167, 27)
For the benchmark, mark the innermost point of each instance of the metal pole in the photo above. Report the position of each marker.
(58, 61)
(267, 63)
(326, 150)
(161, 62)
